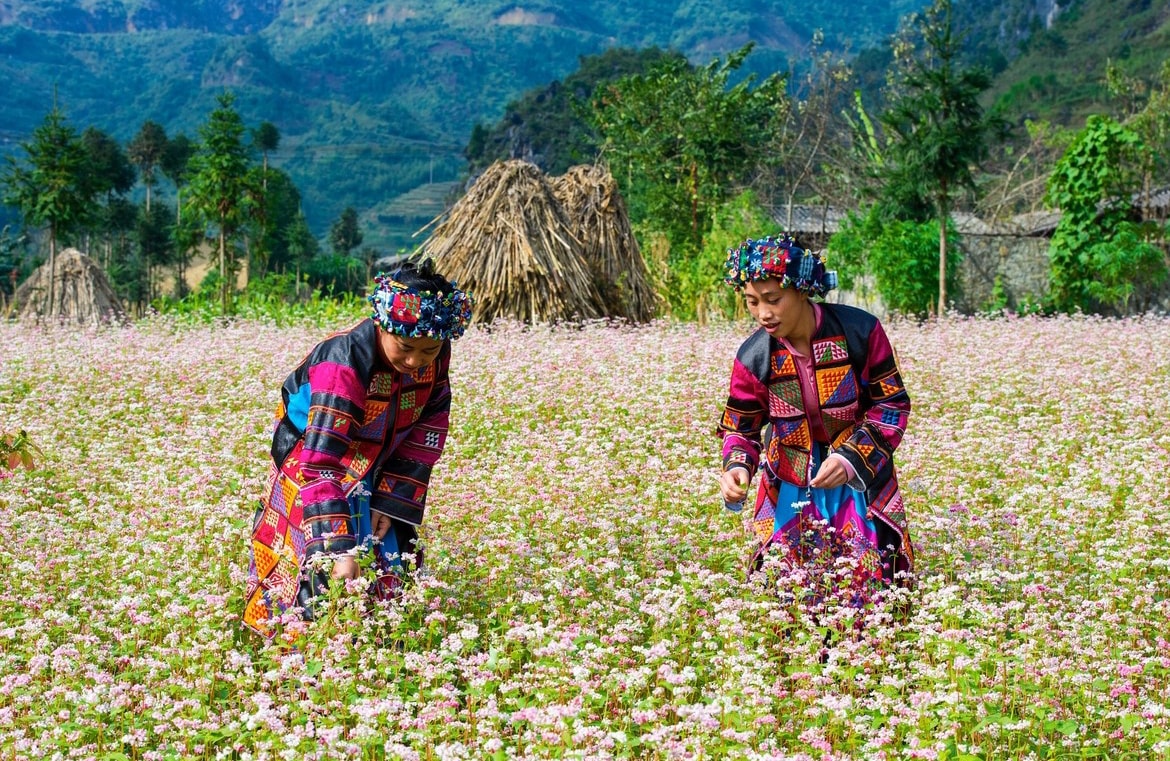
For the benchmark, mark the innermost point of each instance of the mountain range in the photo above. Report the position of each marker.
(375, 99)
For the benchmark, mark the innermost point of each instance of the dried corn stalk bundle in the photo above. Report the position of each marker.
(82, 293)
(598, 219)
(508, 243)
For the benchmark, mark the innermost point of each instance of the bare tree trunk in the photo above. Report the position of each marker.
(942, 265)
(944, 212)
(223, 300)
(181, 284)
(52, 269)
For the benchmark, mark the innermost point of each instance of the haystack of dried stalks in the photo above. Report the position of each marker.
(599, 221)
(507, 242)
(81, 293)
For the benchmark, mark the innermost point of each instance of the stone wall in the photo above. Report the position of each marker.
(1019, 263)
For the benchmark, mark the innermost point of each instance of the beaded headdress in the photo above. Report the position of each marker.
(412, 313)
(781, 259)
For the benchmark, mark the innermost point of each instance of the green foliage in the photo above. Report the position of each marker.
(278, 299)
(936, 128)
(336, 273)
(549, 125)
(176, 158)
(109, 168)
(302, 246)
(678, 138)
(1057, 74)
(15, 261)
(154, 240)
(1097, 253)
(699, 281)
(277, 225)
(368, 115)
(266, 138)
(900, 257)
(222, 187)
(346, 234)
(1122, 263)
(147, 150)
(53, 186)
(17, 449)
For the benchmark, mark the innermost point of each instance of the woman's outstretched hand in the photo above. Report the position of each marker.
(733, 484)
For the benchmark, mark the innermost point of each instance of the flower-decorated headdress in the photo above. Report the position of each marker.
(412, 313)
(778, 258)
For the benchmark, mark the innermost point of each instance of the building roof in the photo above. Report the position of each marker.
(803, 219)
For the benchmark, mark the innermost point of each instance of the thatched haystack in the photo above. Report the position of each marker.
(82, 293)
(507, 242)
(599, 221)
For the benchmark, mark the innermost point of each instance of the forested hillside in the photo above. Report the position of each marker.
(372, 99)
(375, 101)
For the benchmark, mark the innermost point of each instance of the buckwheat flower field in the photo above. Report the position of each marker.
(585, 592)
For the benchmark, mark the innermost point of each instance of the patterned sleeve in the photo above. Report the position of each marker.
(405, 478)
(870, 447)
(743, 419)
(337, 400)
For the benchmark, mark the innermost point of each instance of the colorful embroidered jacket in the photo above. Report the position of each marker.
(346, 413)
(864, 406)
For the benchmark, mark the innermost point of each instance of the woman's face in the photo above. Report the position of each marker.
(408, 355)
(778, 310)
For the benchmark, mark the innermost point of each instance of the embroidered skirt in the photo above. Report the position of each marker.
(820, 526)
(277, 577)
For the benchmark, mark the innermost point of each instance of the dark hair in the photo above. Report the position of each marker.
(420, 274)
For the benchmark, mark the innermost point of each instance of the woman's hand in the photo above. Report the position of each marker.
(345, 568)
(733, 484)
(379, 524)
(830, 475)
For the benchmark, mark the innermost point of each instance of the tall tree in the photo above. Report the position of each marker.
(266, 139)
(549, 125)
(936, 128)
(221, 184)
(175, 165)
(302, 246)
(146, 151)
(153, 234)
(282, 205)
(110, 170)
(52, 186)
(679, 138)
(345, 235)
(111, 175)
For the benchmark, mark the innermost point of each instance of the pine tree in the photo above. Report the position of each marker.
(52, 186)
(146, 151)
(345, 235)
(221, 184)
(937, 130)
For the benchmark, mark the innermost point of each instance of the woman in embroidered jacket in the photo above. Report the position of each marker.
(361, 422)
(824, 380)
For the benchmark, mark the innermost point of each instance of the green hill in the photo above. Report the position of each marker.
(372, 98)
(375, 100)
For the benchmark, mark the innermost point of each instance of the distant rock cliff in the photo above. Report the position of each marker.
(116, 17)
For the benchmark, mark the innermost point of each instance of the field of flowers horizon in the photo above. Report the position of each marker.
(585, 594)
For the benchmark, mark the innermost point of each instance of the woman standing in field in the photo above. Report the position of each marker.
(823, 378)
(362, 421)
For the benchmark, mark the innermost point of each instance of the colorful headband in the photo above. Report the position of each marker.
(411, 313)
(778, 258)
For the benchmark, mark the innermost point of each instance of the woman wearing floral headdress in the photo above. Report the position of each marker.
(362, 421)
(824, 381)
